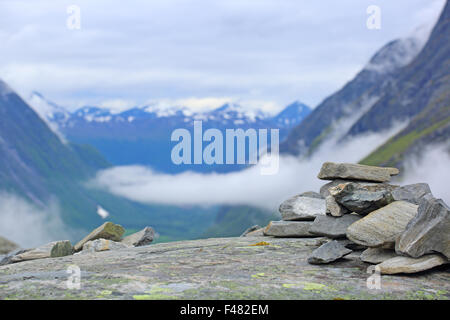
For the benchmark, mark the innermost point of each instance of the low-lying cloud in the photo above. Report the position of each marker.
(245, 187)
(27, 225)
(432, 168)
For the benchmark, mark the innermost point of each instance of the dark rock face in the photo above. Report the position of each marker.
(333, 227)
(428, 231)
(141, 238)
(329, 252)
(412, 193)
(331, 171)
(361, 198)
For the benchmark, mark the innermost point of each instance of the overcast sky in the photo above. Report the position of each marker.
(261, 52)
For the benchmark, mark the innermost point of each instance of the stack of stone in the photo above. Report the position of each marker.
(106, 237)
(401, 229)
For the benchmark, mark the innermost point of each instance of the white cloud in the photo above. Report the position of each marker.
(244, 187)
(136, 50)
(29, 226)
(432, 168)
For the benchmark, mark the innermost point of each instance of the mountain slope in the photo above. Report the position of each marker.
(338, 113)
(422, 91)
(36, 165)
(141, 135)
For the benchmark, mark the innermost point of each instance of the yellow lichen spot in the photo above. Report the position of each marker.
(142, 297)
(106, 292)
(311, 286)
(262, 243)
(288, 285)
(259, 275)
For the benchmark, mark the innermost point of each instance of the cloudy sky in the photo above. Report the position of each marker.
(261, 52)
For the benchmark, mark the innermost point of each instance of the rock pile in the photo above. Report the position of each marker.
(402, 229)
(106, 237)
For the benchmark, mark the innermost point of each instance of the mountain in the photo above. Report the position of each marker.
(343, 110)
(36, 165)
(141, 135)
(421, 92)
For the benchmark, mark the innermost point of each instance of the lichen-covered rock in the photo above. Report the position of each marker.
(108, 230)
(61, 249)
(217, 269)
(289, 229)
(377, 255)
(99, 245)
(302, 208)
(49, 250)
(333, 227)
(349, 171)
(362, 198)
(6, 246)
(411, 265)
(428, 231)
(141, 238)
(381, 227)
(328, 252)
(412, 193)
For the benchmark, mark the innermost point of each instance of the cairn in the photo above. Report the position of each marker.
(402, 229)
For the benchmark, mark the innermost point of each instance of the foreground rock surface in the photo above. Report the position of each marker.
(350, 171)
(428, 231)
(383, 226)
(108, 230)
(226, 268)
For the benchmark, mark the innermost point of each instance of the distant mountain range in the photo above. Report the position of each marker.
(141, 135)
(405, 81)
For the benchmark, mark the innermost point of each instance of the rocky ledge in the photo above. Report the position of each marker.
(222, 268)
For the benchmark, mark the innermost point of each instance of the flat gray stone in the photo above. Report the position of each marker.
(362, 198)
(333, 227)
(289, 229)
(300, 208)
(412, 193)
(381, 227)
(333, 208)
(331, 171)
(6, 246)
(49, 250)
(428, 231)
(141, 238)
(411, 265)
(328, 252)
(108, 230)
(377, 255)
(99, 245)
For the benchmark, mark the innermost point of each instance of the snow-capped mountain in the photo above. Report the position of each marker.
(141, 135)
